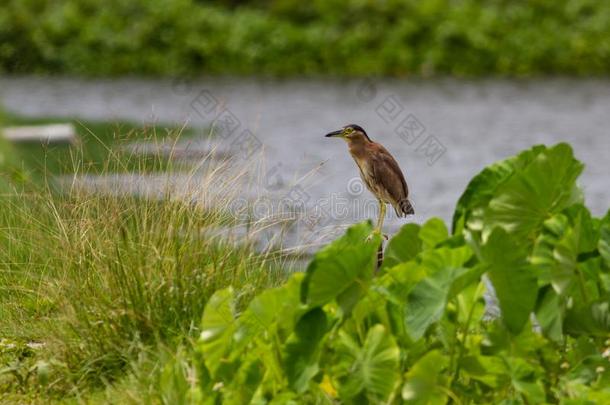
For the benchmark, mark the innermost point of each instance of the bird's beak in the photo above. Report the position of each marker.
(338, 132)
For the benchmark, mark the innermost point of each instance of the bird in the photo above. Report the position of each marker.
(379, 172)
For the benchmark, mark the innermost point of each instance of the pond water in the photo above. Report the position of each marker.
(442, 132)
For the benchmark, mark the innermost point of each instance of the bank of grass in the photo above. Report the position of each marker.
(96, 149)
(6, 166)
(9, 164)
(291, 37)
(96, 290)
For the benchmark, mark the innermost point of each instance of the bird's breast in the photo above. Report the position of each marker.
(367, 175)
(363, 165)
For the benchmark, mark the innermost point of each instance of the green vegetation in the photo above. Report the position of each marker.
(119, 299)
(95, 288)
(291, 37)
(99, 280)
(417, 332)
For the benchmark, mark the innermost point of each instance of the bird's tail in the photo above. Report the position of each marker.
(404, 208)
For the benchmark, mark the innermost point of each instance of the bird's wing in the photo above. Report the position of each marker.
(387, 173)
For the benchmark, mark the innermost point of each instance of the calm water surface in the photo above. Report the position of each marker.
(451, 129)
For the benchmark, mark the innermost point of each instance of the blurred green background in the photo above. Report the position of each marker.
(292, 37)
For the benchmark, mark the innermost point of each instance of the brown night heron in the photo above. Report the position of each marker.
(378, 170)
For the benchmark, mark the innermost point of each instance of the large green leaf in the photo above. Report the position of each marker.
(427, 300)
(549, 313)
(565, 239)
(589, 227)
(433, 232)
(525, 379)
(604, 239)
(426, 303)
(395, 286)
(403, 246)
(348, 260)
(589, 319)
(217, 327)
(302, 349)
(411, 239)
(371, 369)
(269, 319)
(550, 270)
(544, 187)
(490, 370)
(422, 384)
(241, 386)
(471, 301)
(482, 187)
(518, 369)
(513, 279)
(351, 296)
(272, 311)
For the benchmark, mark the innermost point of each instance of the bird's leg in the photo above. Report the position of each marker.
(378, 228)
(382, 208)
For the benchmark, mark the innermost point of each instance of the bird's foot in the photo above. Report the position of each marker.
(375, 233)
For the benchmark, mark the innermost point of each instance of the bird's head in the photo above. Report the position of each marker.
(351, 133)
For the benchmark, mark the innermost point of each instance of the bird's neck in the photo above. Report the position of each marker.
(358, 149)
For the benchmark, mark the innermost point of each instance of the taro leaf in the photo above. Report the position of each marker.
(371, 369)
(350, 297)
(549, 313)
(471, 301)
(433, 232)
(426, 303)
(443, 259)
(335, 268)
(482, 187)
(531, 195)
(403, 246)
(592, 319)
(525, 379)
(490, 370)
(301, 352)
(559, 246)
(512, 277)
(244, 383)
(422, 385)
(395, 287)
(427, 300)
(404, 276)
(600, 313)
(272, 310)
(217, 327)
(603, 245)
(588, 235)
(543, 254)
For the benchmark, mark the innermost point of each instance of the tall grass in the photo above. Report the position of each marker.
(102, 278)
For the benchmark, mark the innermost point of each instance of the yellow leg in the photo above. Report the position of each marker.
(382, 208)
(379, 225)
